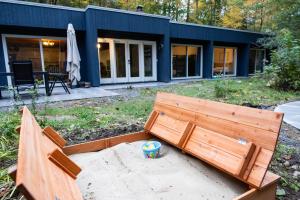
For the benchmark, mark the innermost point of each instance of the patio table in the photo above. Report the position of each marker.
(45, 74)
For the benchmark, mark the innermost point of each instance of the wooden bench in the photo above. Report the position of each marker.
(237, 140)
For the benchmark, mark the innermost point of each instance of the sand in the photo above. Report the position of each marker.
(122, 172)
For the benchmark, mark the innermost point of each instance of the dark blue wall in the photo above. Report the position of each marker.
(208, 50)
(12, 14)
(243, 60)
(93, 22)
(195, 32)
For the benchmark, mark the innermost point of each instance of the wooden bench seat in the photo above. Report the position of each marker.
(238, 140)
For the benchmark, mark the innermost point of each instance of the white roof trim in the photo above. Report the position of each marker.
(126, 11)
(215, 27)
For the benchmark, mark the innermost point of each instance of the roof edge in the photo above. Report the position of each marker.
(42, 5)
(217, 27)
(126, 12)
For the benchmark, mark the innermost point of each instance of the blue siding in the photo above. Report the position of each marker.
(243, 60)
(208, 50)
(42, 17)
(116, 21)
(39, 19)
(197, 32)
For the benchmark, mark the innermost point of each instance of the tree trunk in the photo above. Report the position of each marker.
(188, 11)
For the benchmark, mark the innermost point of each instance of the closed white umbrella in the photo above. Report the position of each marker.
(73, 57)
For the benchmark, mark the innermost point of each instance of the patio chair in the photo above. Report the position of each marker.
(56, 76)
(23, 75)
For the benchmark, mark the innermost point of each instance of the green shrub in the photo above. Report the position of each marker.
(284, 70)
(221, 89)
(224, 88)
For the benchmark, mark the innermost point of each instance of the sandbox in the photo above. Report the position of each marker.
(122, 172)
(212, 150)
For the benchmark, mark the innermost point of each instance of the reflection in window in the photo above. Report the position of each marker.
(120, 60)
(224, 61)
(134, 60)
(179, 61)
(256, 60)
(186, 61)
(252, 58)
(25, 49)
(104, 58)
(229, 61)
(55, 53)
(192, 62)
(148, 60)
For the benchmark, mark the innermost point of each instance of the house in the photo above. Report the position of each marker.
(119, 46)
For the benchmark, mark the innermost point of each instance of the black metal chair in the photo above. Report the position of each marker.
(23, 75)
(55, 76)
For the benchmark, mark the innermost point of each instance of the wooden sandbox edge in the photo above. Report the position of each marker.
(100, 144)
(267, 191)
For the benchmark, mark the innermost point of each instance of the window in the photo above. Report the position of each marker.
(120, 60)
(104, 58)
(224, 61)
(55, 54)
(256, 60)
(148, 70)
(186, 61)
(25, 49)
(46, 54)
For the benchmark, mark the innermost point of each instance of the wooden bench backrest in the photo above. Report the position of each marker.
(238, 140)
(43, 170)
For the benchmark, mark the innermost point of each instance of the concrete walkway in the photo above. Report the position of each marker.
(291, 113)
(58, 94)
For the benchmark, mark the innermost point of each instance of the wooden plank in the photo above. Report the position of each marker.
(98, 145)
(269, 179)
(263, 138)
(18, 129)
(224, 152)
(12, 171)
(259, 118)
(54, 136)
(168, 128)
(267, 193)
(149, 123)
(251, 163)
(65, 163)
(259, 168)
(186, 134)
(37, 177)
(247, 159)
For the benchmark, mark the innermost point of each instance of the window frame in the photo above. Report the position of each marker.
(186, 61)
(235, 60)
(39, 37)
(264, 60)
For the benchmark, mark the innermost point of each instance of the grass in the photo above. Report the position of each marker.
(84, 117)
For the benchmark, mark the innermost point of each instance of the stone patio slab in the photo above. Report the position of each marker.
(58, 94)
(291, 113)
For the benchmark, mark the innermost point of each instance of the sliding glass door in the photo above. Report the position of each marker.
(45, 53)
(224, 61)
(186, 61)
(256, 60)
(122, 61)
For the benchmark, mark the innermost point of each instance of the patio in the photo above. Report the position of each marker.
(58, 94)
